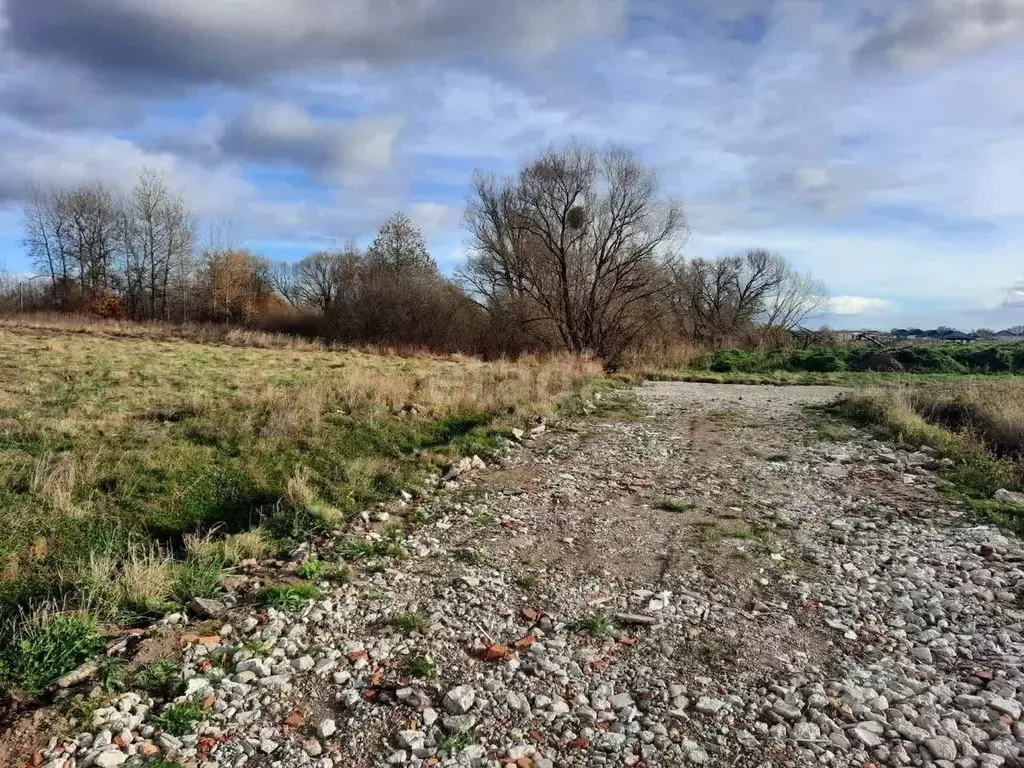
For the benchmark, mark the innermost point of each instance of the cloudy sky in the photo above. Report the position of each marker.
(877, 143)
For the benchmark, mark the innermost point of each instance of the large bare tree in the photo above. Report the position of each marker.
(577, 242)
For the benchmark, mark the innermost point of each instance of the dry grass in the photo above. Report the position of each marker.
(953, 414)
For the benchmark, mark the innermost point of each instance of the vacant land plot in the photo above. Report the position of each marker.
(119, 454)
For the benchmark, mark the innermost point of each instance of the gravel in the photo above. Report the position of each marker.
(828, 609)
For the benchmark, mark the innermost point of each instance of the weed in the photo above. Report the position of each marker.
(528, 582)
(288, 597)
(831, 432)
(715, 652)
(40, 649)
(596, 624)
(258, 646)
(410, 622)
(675, 505)
(178, 719)
(247, 545)
(454, 743)
(312, 568)
(375, 566)
(111, 676)
(420, 667)
(355, 549)
(469, 556)
(162, 679)
(341, 574)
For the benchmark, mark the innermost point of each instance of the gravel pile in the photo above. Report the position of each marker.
(803, 603)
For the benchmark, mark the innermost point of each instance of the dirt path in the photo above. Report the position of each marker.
(725, 580)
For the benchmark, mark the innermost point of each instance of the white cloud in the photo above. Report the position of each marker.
(860, 305)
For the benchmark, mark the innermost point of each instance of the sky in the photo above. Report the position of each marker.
(878, 144)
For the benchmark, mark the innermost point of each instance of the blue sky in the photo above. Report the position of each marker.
(878, 144)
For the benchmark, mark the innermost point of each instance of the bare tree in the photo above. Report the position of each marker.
(716, 299)
(157, 237)
(319, 279)
(47, 229)
(578, 241)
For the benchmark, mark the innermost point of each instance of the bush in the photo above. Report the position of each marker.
(729, 360)
(818, 361)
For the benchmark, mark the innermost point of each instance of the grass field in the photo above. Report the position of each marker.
(978, 422)
(135, 464)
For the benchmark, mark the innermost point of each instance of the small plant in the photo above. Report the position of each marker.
(410, 622)
(43, 648)
(528, 581)
(288, 597)
(484, 519)
(312, 568)
(375, 566)
(111, 675)
(596, 624)
(162, 679)
(247, 545)
(258, 646)
(714, 653)
(674, 505)
(454, 743)
(340, 574)
(420, 667)
(83, 708)
(469, 556)
(178, 719)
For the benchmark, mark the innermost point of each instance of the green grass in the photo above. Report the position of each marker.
(469, 556)
(528, 582)
(179, 719)
(454, 743)
(36, 653)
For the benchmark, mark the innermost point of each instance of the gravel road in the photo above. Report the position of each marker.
(727, 579)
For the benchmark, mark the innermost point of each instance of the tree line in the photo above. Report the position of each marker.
(580, 250)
